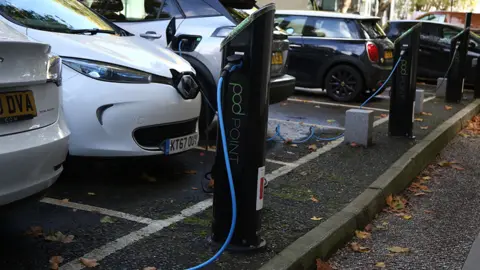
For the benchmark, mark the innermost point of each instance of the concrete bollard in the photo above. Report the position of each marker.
(359, 127)
(441, 87)
(419, 97)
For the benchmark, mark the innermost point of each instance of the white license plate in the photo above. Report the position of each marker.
(181, 144)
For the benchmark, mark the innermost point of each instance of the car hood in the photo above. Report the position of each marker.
(128, 51)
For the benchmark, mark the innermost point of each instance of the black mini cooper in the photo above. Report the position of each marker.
(347, 55)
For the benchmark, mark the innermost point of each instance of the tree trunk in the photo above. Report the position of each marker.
(383, 6)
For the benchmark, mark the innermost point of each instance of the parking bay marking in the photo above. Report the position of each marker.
(156, 226)
(336, 104)
(100, 210)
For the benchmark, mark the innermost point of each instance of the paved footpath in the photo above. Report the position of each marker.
(434, 224)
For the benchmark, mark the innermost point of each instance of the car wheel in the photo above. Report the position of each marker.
(343, 83)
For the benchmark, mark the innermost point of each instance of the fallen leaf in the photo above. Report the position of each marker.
(312, 147)
(463, 135)
(202, 154)
(426, 178)
(419, 119)
(396, 249)
(384, 223)
(89, 263)
(353, 144)
(55, 261)
(331, 121)
(428, 211)
(458, 168)
(150, 268)
(107, 219)
(35, 231)
(407, 217)
(380, 265)
(316, 218)
(91, 194)
(194, 188)
(368, 228)
(389, 200)
(358, 248)
(424, 128)
(420, 194)
(60, 237)
(362, 235)
(448, 108)
(303, 173)
(317, 106)
(290, 153)
(293, 145)
(321, 265)
(284, 104)
(288, 141)
(301, 123)
(314, 199)
(427, 113)
(444, 163)
(149, 178)
(190, 172)
(65, 200)
(383, 115)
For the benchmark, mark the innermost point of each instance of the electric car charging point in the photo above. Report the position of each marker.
(456, 77)
(244, 102)
(402, 98)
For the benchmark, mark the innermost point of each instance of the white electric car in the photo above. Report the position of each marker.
(33, 133)
(201, 26)
(122, 94)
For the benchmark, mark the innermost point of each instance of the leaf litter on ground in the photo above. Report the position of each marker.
(55, 261)
(107, 219)
(397, 249)
(89, 263)
(34, 231)
(321, 265)
(362, 234)
(358, 248)
(60, 237)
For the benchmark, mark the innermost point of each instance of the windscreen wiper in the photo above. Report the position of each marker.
(92, 31)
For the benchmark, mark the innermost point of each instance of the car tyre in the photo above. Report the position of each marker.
(344, 83)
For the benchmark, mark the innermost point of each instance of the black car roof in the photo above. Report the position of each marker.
(425, 22)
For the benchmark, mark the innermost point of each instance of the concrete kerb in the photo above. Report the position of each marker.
(326, 238)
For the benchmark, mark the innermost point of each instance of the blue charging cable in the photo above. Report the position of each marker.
(312, 130)
(229, 174)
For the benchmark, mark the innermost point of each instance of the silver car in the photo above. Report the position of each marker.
(33, 133)
(201, 25)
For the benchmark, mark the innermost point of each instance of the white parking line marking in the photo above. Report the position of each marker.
(306, 124)
(429, 98)
(100, 210)
(156, 226)
(335, 104)
(124, 241)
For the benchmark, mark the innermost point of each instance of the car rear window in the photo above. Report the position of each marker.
(372, 29)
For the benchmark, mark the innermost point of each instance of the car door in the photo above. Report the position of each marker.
(294, 26)
(432, 47)
(145, 18)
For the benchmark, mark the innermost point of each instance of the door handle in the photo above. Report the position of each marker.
(151, 35)
(295, 46)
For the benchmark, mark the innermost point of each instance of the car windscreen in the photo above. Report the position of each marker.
(372, 29)
(65, 16)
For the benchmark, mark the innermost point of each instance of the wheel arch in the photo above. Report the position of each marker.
(354, 63)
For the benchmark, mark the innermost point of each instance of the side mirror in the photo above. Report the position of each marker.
(471, 45)
(290, 31)
(171, 31)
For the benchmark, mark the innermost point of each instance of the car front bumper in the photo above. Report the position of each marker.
(281, 88)
(31, 161)
(119, 119)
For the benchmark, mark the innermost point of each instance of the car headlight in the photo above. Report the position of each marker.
(54, 69)
(222, 32)
(107, 72)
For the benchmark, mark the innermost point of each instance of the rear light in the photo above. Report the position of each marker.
(372, 51)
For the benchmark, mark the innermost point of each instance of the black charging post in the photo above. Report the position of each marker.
(404, 83)
(456, 76)
(245, 112)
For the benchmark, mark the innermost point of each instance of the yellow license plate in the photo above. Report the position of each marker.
(388, 55)
(277, 58)
(17, 106)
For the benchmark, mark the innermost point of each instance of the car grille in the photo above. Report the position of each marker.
(153, 137)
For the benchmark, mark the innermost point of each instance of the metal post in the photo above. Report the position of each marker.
(456, 76)
(402, 97)
(245, 111)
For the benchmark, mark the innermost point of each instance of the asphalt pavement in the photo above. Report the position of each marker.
(158, 213)
(439, 224)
